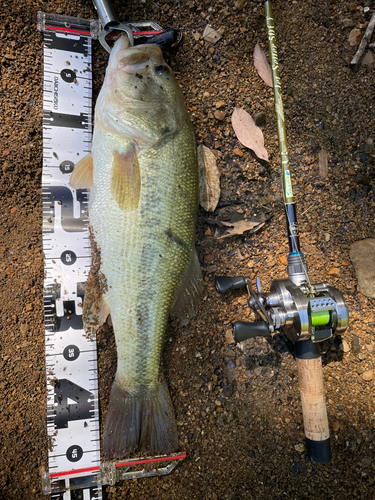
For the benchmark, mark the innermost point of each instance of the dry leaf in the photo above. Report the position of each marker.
(209, 179)
(210, 35)
(323, 163)
(262, 65)
(237, 227)
(248, 133)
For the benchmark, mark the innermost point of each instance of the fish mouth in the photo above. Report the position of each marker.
(135, 60)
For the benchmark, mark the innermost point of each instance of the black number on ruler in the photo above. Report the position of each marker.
(64, 196)
(72, 402)
(67, 75)
(71, 352)
(70, 318)
(68, 257)
(74, 453)
(66, 167)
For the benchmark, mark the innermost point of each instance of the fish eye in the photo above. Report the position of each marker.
(161, 69)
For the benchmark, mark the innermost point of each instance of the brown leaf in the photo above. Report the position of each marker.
(262, 65)
(209, 179)
(248, 133)
(239, 227)
(210, 35)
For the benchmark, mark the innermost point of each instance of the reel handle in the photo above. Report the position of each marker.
(225, 284)
(243, 330)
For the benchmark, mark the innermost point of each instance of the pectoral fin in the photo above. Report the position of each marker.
(126, 179)
(187, 299)
(82, 176)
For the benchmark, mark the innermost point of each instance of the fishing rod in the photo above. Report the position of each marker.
(307, 313)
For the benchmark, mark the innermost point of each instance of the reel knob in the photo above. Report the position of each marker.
(243, 330)
(225, 284)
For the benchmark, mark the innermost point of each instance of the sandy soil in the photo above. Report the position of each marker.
(238, 409)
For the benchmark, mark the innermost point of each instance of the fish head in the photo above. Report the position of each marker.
(140, 98)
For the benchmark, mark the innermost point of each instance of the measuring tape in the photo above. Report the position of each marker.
(71, 357)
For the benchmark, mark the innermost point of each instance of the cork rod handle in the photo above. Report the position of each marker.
(315, 419)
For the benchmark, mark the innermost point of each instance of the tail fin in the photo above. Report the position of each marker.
(143, 421)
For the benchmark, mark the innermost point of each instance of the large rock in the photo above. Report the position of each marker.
(362, 254)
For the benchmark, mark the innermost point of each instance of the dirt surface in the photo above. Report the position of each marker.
(238, 408)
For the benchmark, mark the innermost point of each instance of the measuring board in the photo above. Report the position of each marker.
(75, 471)
(71, 357)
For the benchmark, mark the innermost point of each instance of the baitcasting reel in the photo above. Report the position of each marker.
(304, 311)
(307, 314)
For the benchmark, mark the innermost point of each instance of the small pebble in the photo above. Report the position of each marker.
(300, 447)
(334, 272)
(344, 346)
(354, 37)
(260, 119)
(356, 346)
(229, 337)
(368, 375)
(366, 462)
(295, 468)
(262, 170)
(335, 426)
(219, 115)
(284, 260)
(237, 152)
(219, 104)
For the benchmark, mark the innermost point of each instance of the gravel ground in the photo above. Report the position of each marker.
(238, 408)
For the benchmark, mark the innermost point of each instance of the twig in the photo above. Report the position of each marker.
(247, 248)
(364, 42)
(307, 209)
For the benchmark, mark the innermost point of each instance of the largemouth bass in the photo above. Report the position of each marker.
(143, 179)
